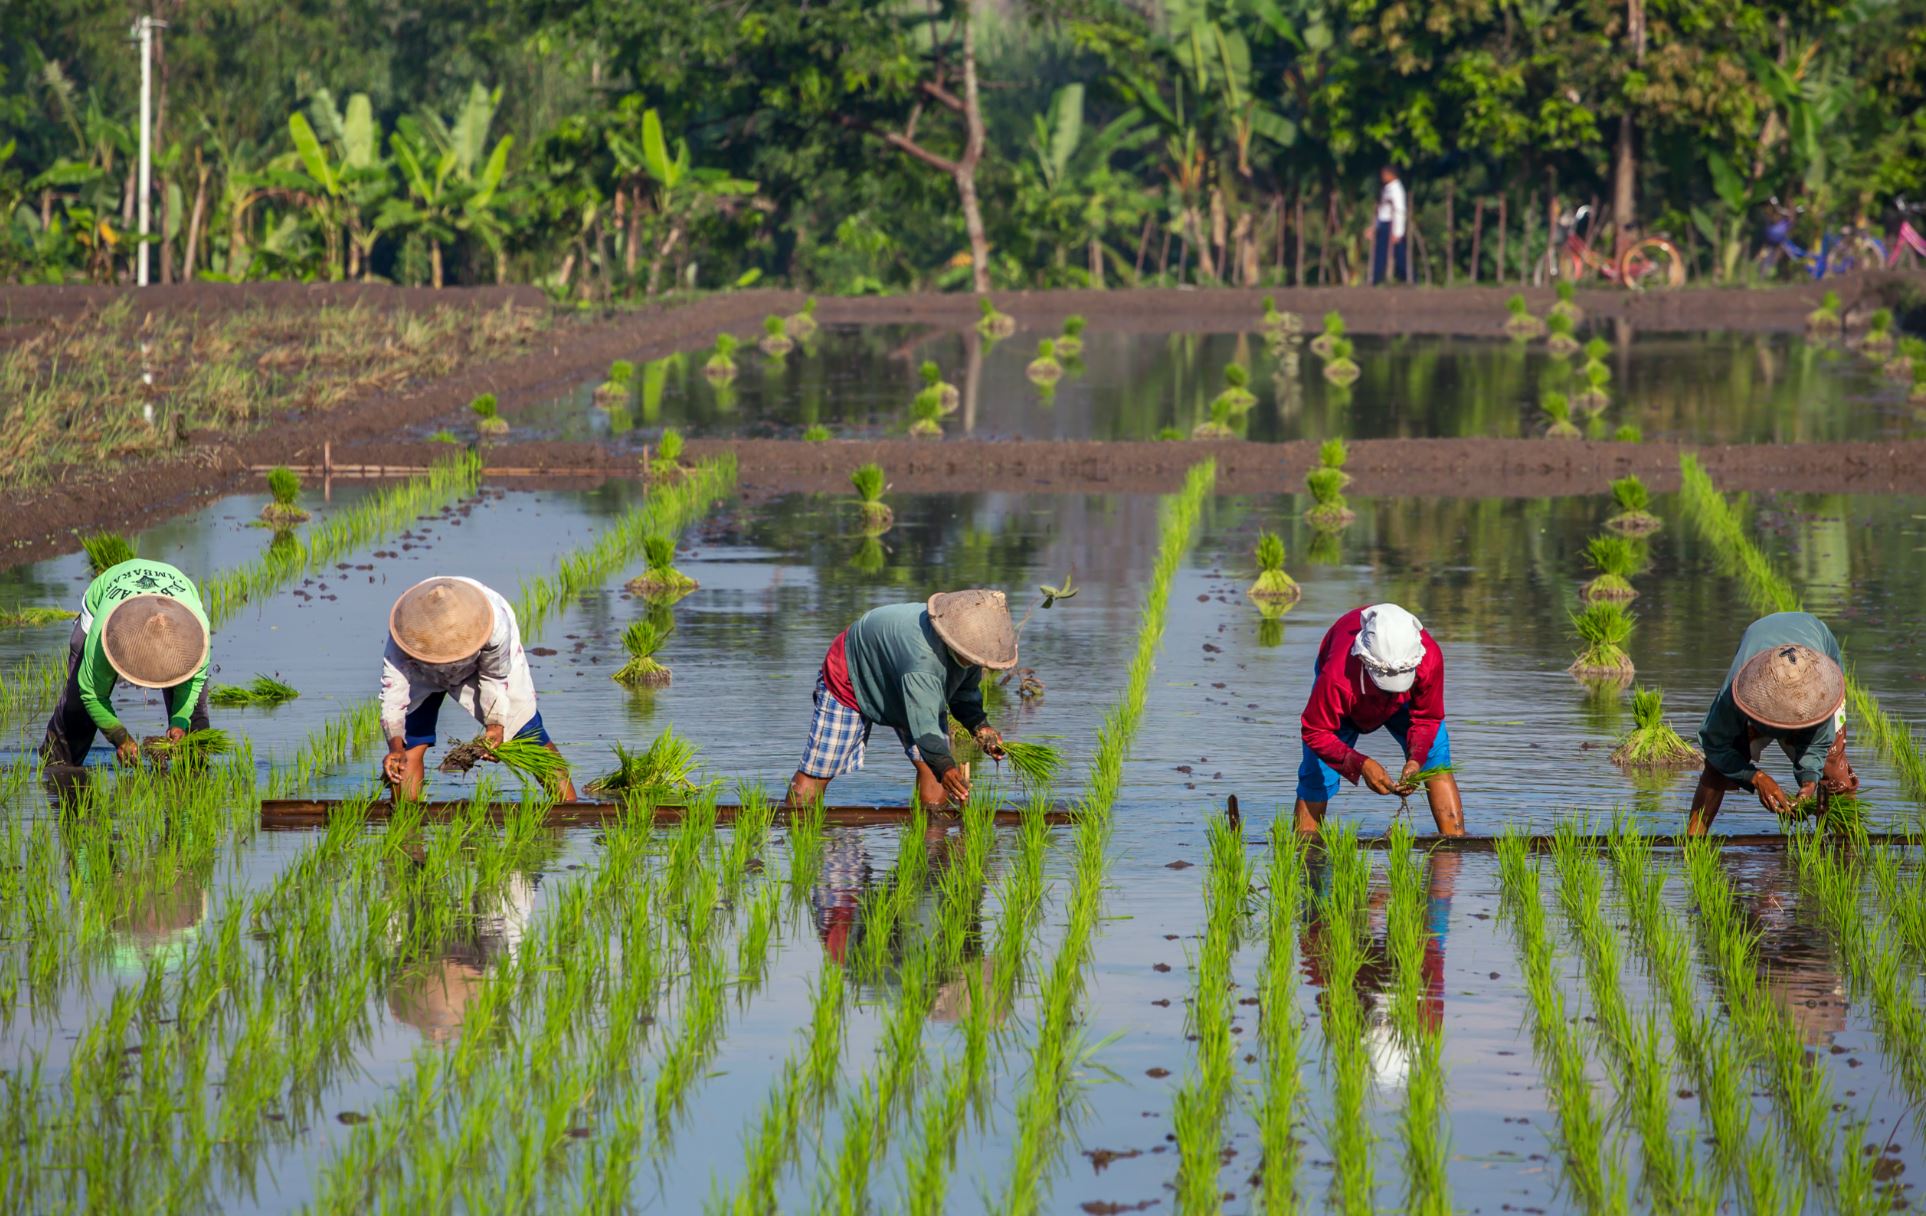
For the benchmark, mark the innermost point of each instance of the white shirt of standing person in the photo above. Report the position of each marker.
(1391, 207)
(494, 685)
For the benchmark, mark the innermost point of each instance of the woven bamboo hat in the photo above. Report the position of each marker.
(154, 641)
(1789, 687)
(442, 620)
(976, 625)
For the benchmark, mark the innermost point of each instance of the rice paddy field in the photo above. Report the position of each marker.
(1099, 992)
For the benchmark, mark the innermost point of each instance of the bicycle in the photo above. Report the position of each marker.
(1650, 261)
(1839, 252)
(1908, 242)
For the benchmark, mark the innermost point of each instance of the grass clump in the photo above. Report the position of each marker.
(1652, 743)
(1332, 454)
(667, 461)
(1237, 393)
(1566, 305)
(1332, 331)
(1560, 331)
(1596, 394)
(1825, 318)
(1036, 765)
(816, 432)
(926, 415)
(259, 693)
(1617, 559)
(1603, 627)
(1070, 341)
(1557, 408)
(1280, 327)
(1218, 425)
(1628, 433)
(1879, 330)
(1633, 500)
(661, 770)
(641, 640)
(192, 750)
(1044, 369)
(870, 485)
(1519, 322)
(933, 378)
(105, 550)
(444, 435)
(661, 581)
(801, 325)
(991, 323)
(721, 365)
(775, 341)
(1341, 368)
(488, 417)
(1910, 353)
(1329, 510)
(33, 616)
(283, 488)
(1273, 584)
(615, 390)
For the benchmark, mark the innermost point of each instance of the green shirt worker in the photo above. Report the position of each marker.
(910, 667)
(1785, 686)
(141, 622)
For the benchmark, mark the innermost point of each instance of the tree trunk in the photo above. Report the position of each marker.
(1451, 233)
(662, 252)
(972, 153)
(1624, 159)
(630, 252)
(1096, 262)
(1502, 228)
(1477, 236)
(192, 250)
(1297, 278)
(158, 185)
(434, 262)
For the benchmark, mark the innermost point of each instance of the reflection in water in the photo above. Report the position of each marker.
(1794, 953)
(160, 919)
(848, 895)
(432, 993)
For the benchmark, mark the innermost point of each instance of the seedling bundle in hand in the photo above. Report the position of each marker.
(615, 390)
(721, 365)
(1036, 765)
(1273, 585)
(284, 487)
(1044, 369)
(261, 692)
(192, 749)
(661, 581)
(531, 760)
(1617, 559)
(946, 392)
(1408, 786)
(1652, 743)
(105, 550)
(488, 418)
(775, 341)
(1632, 499)
(869, 483)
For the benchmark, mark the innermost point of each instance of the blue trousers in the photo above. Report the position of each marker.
(1387, 255)
(1318, 781)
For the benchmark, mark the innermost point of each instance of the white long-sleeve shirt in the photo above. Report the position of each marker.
(1391, 207)
(495, 686)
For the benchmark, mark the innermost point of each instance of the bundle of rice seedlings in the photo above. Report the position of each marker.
(1825, 318)
(1603, 626)
(802, 324)
(1331, 454)
(721, 366)
(1044, 369)
(191, 750)
(33, 616)
(1417, 781)
(641, 640)
(1333, 330)
(1036, 765)
(105, 550)
(869, 483)
(660, 771)
(1237, 394)
(1329, 509)
(1341, 368)
(1633, 499)
(1219, 424)
(1558, 417)
(1652, 743)
(488, 418)
(444, 435)
(1273, 583)
(775, 340)
(615, 389)
(1280, 327)
(1596, 349)
(816, 432)
(933, 378)
(1560, 329)
(283, 487)
(991, 323)
(926, 415)
(1879, 330)
(1167, 434)
(261, 692)
(1519, 322)
(870, 556)
(1566, 304)
(1628, 433)
(1070, 341)
(1595, 395)
(1918, 392)
(1617, 559)
(668, 455)
(1911, 352)
(531, 760)
(661, 580)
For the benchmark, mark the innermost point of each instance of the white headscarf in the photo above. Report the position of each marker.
(1390, 641)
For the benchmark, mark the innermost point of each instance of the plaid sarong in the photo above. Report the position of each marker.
(838, 736)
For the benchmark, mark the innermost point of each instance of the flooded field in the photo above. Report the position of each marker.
(1143, 1009)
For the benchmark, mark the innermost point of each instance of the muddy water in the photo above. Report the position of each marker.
(1492, 579)
(859, 382)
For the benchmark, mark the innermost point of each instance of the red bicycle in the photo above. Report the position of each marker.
(1650, 261)
(1907, 243)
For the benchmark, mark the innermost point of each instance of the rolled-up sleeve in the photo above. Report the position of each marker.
(396, 692)
(492, 666)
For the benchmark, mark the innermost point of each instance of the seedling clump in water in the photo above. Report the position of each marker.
(1237, 393)
(1879, 330)
(1044, 369)
(1617, 559)
(661, 581)
(1218, 425)
(660, 770)
(1070, 341)
(1652, 743)
(869, 483)
(1566, 305)
(1603, 626)
(1273, 584)
(926, 414)
(1332, 454)
(615, 390)
(1519, 322)
(1341, 367)
(802, 324)
(1595, 395)
(668, 455)
(721, 366)
(284, 487)
(816, 432)
(32, 616)
(1559, 328)
(991, 323)
(488, 418)
(1632, 499)
(1333, 330)
(933, 378)
(1330, 510)
(775, 340)
(260, 692)
(1558, 417)
(1825, 318)
(641, 640)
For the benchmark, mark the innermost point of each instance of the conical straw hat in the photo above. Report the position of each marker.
(442, 620)
(976, 625)
(154, 641)
(1789, 687)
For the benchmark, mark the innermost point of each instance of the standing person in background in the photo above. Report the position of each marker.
(1387, 246)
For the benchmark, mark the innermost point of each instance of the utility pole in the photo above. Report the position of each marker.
(143, 32)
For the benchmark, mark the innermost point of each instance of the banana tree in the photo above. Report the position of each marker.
(1069, 194)
(681, 194)
(453, 180)
(341, 155)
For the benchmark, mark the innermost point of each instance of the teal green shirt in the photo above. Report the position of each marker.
(97, 676)
(905, 677)
(1727, 734)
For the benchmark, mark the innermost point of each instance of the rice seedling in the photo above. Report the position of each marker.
(1596, 394)
(641, 640)
(720, 367)
(1332, 331)
(1328, 509)
(1557, 408)
(1332, 454)
(1628, 433)
(1426, 1135)
(1559, 330)
(444, 435)
(1825, 318)
(1519, 322)
(802, 324)
(1634, 516)
(932, 377)
(1653, 743)
(661, 581)
(487, 412)
(816, 432)
(1566, 305)
(617, 389)
(1273, 585)
(1044, 369)
(775, 341)
(1421, 779)
(1617, 559)
(1279, 1031)
(667, 461)
(283, 488)
(870, 486)
(34, 616)
(1070, 341)
(660, 771)
(1036, 765)
(105, 550)
(1199, 1106)
(1237, 391)
(1218, 425)
(1917, 393)
(1878, 337)
(1603, 627)
(991, 323)
(262, 692)
(1341, 911)
(1909, 352)
(1341, 368)
(926, 415)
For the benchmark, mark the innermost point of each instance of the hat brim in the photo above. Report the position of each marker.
(142, 681)
(451, 651)
(1401, 682)
(1766, 720)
